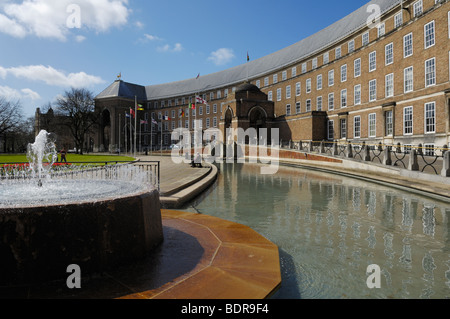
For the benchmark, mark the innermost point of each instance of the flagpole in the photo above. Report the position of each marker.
(135, 124)
(151, 138)
(162, 119)
(120, 132)
(131, 135)
(126, 137)
(140, 137)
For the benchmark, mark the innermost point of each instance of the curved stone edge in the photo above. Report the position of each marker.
(238, 262)
(188, 193)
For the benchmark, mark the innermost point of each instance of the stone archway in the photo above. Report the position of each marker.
(106, 129)
(258, 120)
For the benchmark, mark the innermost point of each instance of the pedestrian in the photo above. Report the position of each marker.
(63, 155)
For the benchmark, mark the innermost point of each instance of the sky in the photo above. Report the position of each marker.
(48, 47)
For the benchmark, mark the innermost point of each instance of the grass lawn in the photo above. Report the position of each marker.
(22, 158)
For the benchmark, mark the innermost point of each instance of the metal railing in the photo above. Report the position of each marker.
(425, 159)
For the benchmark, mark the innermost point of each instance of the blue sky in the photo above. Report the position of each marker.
(49, 46)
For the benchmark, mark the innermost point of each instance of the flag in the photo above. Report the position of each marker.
(200, 100)
(140, 107)
(192, 106)
(198, 75)
(127, 115)
(144, 122)
(181, 113)
(132, 113)
(154, 122)
(248, 57)
(166, 118)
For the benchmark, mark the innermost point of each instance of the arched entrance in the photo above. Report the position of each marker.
(258, 120)
(106, 129)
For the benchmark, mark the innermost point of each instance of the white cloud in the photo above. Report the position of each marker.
(80, 38)
(150, 37)
(167, 48)
(50, 18)
(13, 94)
(52, 77)
(221, 56)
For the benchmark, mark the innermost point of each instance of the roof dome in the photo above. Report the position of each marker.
(247, 87)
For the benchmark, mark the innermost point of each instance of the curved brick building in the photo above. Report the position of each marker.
(356, 81)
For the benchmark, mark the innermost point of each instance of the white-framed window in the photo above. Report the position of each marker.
(430, 117)
(319, 103)
(389, 123)
(365, 38)
(343, 98)
(408, 75)
(372, 90)
(275, 78)
(288, 92)
(288, 109)
(398, 20)
(338, 52)
(314, 63)
(429, 35)
(372, 125)
(389, 53)
(351, 46)
(381, 29)
(429, 149)
(357, 94)
(389, 85)
(326, 58)
(430, 72)
(298, 89)
(215, 108)
(208, 122)
(344, 73)
(279, 94)
(284, 75)
(319, 82)
(331, 78)
(408, 120)
(294, 72)
(372, 61)
(266, 81)
(357, 67)
(200, 110)
(343, 128)
(298, 108)
(357, 126)
(417, 8)
(330, 129)
(408, 45)
(304, 67)
(270, 96)
(214, 121)
(308, 105)
(219, 94)
(258, 85)
(331, 101)
(308, 86)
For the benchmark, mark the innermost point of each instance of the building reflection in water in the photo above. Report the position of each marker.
(333, 227)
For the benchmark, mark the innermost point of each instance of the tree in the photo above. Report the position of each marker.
(78, 108)
(10, 118)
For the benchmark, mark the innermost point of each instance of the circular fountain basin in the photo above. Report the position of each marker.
(95, 224)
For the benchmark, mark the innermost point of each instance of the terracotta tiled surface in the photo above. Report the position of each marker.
(237, 263)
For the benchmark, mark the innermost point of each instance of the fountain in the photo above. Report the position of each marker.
(96, 218)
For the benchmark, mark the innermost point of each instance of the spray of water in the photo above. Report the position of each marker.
(42, 155)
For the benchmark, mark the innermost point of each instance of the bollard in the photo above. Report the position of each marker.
(387, 156)
(366, 152)
(446, 165)
(349, 150)
(335, 149)
(322, 147)
(413, 164)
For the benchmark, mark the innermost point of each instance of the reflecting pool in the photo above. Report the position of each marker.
(330, 228)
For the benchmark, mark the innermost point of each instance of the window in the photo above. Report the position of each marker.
(357, 126)
(429, 150)
(288, 92)
(351, 46)
(314, 63)
(319, 82)
(275, 78)
(284, 75)
(278, 94)
(258, 85)
(331, 130)
(298, 89)
(372, 61)
(338, 52)
(270, 96)
(294, 71)
(357, 94)
(389, 123)
(219, 93)
(331, 101)
(381, 29)
(298, 109)
(357, 65)
(304, 67)
(372, 90)
(389, 85)
(430, 72)
(343, 128)
(398, 20)
(429, 35)
(208, 124)
(389, 53)
(417, 8)
(215, 122)
(214, 108)
(344, 73)
(308, 86)
(343, 98)
(331, 78)
(319, 103)
(326, 58)
(408, 120)
(288, 110)
(430, 117)
(372, 125)
(408, 45)
(266, 81)
(365, 39)
(200, 110)
(308, 105)
(408, 79)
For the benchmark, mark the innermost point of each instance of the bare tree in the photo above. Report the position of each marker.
(10, 118)
(78, 108)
